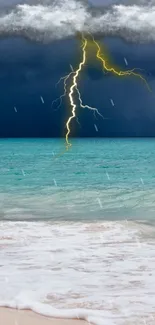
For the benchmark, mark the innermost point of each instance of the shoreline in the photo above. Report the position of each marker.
(9, 316)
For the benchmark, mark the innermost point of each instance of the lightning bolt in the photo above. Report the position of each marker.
(65, 78)
(87, 106)
(74, 83)
(120, 73)
(73, 87)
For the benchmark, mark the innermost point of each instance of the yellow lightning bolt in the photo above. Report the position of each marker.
(113, 70)
(74, 84)
(74, 87)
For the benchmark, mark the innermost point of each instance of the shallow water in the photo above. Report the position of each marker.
(89, 250)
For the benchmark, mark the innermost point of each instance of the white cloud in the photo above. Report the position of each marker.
(55, 20)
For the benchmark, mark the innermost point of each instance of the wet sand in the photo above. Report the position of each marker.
(10, 316)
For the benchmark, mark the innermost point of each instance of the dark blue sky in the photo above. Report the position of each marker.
(29, 70)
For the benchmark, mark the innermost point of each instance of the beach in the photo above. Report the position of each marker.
(21, 317)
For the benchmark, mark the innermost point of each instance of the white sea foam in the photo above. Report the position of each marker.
(47, 20)
(102, 272)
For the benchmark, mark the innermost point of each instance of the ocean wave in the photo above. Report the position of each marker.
(92, 271)
(83, 204)
(49, 20)
(91, 316)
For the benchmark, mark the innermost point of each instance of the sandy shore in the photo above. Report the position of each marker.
(22, 317)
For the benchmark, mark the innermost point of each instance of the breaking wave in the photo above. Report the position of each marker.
(49, 20)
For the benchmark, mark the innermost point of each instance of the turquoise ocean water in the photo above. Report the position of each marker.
(95, 179)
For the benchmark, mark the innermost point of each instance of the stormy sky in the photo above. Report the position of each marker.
(31, 63)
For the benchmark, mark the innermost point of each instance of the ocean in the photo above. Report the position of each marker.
(77, 236)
